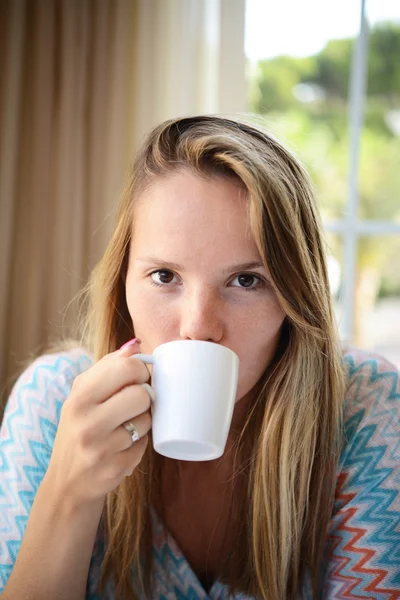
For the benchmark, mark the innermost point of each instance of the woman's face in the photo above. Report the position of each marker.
(195, 273)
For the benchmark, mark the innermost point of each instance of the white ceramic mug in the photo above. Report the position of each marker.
(195, 386)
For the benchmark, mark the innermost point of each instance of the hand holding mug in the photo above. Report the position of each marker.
(93, 450)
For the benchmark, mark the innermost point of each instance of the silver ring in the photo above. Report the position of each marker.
(131, 429)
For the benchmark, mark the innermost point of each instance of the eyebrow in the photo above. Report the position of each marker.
(176, 267)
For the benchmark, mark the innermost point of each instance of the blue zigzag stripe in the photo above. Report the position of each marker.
(366, 520)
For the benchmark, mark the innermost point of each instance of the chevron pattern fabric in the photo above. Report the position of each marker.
(364, 533)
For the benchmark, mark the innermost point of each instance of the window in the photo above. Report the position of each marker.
(325, 77)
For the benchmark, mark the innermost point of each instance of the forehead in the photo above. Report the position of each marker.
(194, 202)
(185, 208)
(200, 221)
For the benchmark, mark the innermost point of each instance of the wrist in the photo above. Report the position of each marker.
(66, 504)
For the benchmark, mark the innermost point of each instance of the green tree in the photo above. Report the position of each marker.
(333, 68)
(330, 69)
(275, 80)
(317, 131)
(383, 63)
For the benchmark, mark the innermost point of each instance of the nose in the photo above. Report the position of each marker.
(201, 316)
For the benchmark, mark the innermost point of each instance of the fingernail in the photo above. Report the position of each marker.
(130, 343)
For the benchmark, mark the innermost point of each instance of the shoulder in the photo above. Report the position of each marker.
(43, 386)
(371, 403)
(371, 429)
(362, 364)
(372, 391)
(62, 365)
(56, 370)
(364, 532)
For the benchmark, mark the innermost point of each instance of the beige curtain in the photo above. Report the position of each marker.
(80, 83)
(66, 83)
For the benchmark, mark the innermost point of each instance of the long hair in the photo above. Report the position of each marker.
(295, 419)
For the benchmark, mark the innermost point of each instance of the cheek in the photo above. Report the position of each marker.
(152, 323)
(257, 348)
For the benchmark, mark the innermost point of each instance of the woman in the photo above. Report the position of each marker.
(218, 239)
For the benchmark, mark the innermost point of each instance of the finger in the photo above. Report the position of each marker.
(135, 453)
(131, 347)
(121, 439)
(122, 406)
(109, 375)
(123, 463)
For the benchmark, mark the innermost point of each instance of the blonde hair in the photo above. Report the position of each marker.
(293, 430)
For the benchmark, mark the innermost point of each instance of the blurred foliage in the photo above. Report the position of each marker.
(383, 63)
(330, 69)
(305, 101)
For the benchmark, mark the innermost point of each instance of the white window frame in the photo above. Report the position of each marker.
(351, 227)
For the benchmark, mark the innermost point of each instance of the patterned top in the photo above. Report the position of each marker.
(365, 560)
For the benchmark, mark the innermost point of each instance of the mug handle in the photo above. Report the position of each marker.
(147, 359)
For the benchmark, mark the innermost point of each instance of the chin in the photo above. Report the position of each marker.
(247, 391)
(241, 395)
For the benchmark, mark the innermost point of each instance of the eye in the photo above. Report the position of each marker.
(247, 281)
(162, 277)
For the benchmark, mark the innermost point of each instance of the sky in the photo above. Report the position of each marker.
(302, 27)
